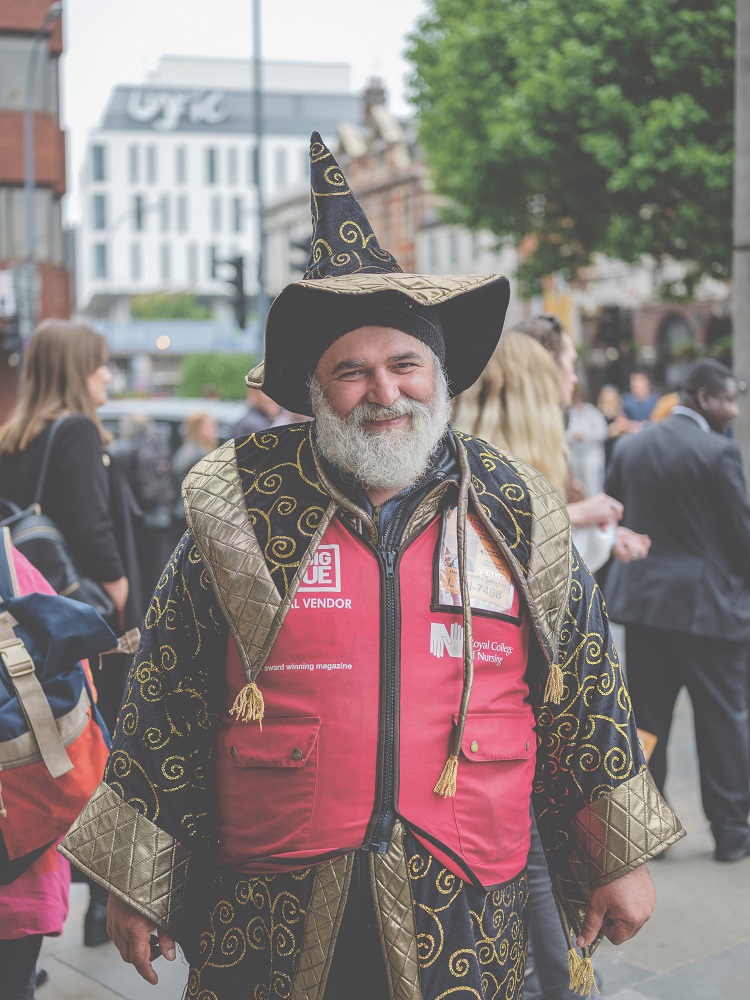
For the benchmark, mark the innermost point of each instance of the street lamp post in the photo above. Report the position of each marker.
(258, 116)
(28, 313)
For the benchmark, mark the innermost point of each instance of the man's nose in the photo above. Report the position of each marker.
(383, 389)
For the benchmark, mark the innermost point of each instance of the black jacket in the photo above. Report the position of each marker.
(76, 493)
(685, 489)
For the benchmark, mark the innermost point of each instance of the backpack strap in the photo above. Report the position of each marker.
(20, 668)
(45, 459)
(8, 581)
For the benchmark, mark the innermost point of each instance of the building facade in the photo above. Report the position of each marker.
(19, 22)
(168, 189)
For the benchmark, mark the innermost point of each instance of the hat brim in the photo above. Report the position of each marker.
(471, 309)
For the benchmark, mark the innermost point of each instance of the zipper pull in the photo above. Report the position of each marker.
(389, 557)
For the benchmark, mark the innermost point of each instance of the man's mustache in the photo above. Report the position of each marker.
(364, 412)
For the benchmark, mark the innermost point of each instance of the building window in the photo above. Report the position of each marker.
(433, 255)
(213, 261)
(135, 262)
(212, 165)
(252, 167)
(151, 166)
(164, 213)
(182, 213)
(279, 167)
(99, 211)
(98, 165)
(165, 262)
(180, 165)
(453, 254)
(139, 213)
(407, 216)
(232, 166)
(238, 215)
(216, 213)
(134, 164)
(100, 260)
(192, 263)
(304, 164)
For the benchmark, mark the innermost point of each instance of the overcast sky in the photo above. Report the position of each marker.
(120, 41)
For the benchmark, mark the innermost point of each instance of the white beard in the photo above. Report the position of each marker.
(387, 459)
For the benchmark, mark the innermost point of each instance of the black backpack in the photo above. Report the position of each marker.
(150, 473)
(41, 541)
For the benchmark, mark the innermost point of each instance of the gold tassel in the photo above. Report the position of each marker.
(574, 966)
(3, 812)
(583, 980)
(248, 705)
(555, 686)
(446, 785)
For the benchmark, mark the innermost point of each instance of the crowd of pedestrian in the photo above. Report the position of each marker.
(384, 606)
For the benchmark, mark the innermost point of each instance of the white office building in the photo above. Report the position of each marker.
(168, 186)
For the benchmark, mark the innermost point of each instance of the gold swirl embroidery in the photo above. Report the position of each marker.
(334, 176)
(317, 249)
(119, 768)
(350, 232)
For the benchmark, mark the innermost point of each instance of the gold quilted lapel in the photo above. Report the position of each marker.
(546, 579)
(322, 924)
(394, 910)
(217, 515)
(549, 578)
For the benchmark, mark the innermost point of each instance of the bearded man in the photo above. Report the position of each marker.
(373, 647)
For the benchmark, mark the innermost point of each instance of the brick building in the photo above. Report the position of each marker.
(19, 22)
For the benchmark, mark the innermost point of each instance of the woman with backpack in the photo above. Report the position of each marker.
(64, 379)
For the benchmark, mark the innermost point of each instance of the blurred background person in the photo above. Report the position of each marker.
(66, 374)
(609, 403)
(638, 404)
(594, 518)
(664, 406)
(686, 607)
(586, 434)
(262, 412)
(143, 454)
(201, 437)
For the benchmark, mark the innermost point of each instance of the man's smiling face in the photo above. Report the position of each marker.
(380, 366)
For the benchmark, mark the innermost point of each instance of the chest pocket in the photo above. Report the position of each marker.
(266, 783)
(491, 805)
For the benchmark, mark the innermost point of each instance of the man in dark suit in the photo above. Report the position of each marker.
(686, 606)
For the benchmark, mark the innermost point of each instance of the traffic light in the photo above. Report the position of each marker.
(299, 253)
(10, 337)
(239, 304)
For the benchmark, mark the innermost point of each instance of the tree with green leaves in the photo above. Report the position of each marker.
(220, 376)
(604, 126)
(168, 305)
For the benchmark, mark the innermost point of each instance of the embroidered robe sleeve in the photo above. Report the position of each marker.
(151, 817)
(598, 811)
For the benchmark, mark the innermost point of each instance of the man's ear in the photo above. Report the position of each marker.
(701, 398)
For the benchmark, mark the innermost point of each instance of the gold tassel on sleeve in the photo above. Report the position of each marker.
(446, 785)
(582, 980)
(554, 690)
(248, 705)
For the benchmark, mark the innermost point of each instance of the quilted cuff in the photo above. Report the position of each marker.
(624, 828)
(117, 847)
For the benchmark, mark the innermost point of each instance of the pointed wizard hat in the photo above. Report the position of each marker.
(351, 282)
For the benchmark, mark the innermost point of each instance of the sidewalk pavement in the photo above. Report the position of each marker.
(696, 946)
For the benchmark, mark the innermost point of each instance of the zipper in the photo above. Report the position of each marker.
(377, 842)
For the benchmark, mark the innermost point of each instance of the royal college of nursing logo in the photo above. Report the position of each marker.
(443, 641)
(324, 572)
